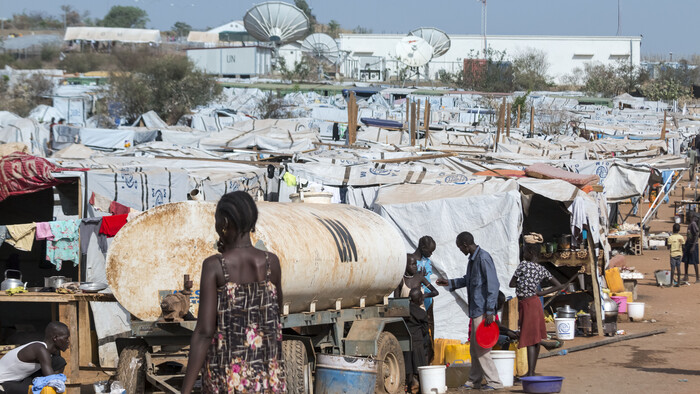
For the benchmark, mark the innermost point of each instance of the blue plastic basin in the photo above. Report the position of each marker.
(542, 384)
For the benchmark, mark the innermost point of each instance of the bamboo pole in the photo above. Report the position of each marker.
(518, 120)
(532, 121)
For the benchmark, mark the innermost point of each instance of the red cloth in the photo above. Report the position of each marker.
(531, 321)
(112, 224)
(21, 173)
(116, 208)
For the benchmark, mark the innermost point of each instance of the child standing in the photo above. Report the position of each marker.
(417, 324)
(675, 244)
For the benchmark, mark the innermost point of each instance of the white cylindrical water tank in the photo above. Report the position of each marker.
(328, 252)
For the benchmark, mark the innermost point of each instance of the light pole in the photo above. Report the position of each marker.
(483, 25)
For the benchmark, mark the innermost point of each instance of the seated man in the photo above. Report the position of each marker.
(21, 365)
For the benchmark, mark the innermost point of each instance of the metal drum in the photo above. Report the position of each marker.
(331, 254)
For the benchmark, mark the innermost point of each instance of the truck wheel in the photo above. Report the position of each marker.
(391, 371)
(297, 367)
(131, 369)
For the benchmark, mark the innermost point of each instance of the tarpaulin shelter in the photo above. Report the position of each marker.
(118, 34)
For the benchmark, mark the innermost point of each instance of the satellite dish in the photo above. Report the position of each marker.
(414, 51)
(276, 22)
(322, 47)
(437, 39)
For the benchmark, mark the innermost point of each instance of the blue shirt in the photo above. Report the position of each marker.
(425, 264)
(481, 282)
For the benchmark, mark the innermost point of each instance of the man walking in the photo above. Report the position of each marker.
(482, 286)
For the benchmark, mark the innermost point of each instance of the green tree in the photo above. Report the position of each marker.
(181, 29)
(492, 74)
(125, 16)
(168, 85)
(362, 30)
(334, 28)
(304, 6)
(530, 70)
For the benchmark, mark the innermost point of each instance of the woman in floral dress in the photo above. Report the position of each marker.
(237, 344)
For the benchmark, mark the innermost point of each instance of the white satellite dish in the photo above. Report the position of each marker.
(414, 51)
(321, 47)
(437, 39)
(276, 22)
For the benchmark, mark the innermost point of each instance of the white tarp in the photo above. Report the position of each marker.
(119, 34)
(495, 220)
(624, 181)
(27, 131)
(107, 138)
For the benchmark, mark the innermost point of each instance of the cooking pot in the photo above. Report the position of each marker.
(566, 312)
(55, 281)
(11, 283)
(565, 241)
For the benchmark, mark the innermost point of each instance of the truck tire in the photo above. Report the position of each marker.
(297, 367)
(391, 371)
(131, 369)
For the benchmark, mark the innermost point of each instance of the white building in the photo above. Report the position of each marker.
(564, 53)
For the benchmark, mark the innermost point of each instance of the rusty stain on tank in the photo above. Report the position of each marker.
(152, 252)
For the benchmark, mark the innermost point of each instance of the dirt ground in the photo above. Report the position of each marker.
(668, 362)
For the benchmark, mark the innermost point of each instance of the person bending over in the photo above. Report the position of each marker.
(35, 359)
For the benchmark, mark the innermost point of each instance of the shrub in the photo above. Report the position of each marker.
(81, 62)
(530, 70)
(168, 85)
(49, 53)
(26, 93)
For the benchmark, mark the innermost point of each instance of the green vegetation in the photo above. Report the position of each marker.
(25, 94)
(168, 85)
(125, 16)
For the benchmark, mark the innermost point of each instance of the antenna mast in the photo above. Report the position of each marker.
(619, 19)
(483, 24)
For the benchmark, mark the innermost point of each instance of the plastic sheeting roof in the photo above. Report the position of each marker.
(25, 42)
(112, 34)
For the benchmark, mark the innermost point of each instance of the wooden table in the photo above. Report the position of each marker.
(634, 240)
(73, 311)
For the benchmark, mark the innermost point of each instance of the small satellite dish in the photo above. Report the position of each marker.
(414, 51)
(276, 22)
(321, 47)
(437, 39)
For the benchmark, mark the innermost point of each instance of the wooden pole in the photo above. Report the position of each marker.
(426, 122)
(417, 116)
(518, 120)
(498, 128)
(663, 128)
(408, 118)
(532, 121)
(352, 118)
(508, 109)
(414, 123)
(596, 286)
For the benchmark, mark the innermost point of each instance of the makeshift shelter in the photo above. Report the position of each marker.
(118, 34)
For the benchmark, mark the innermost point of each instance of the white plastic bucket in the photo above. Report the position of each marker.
(565, 328)
(505, 364)
(635, 310)
(432, 379)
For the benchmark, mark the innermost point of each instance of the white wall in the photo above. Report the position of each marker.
(563, 53)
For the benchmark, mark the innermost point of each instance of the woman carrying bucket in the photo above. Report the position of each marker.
(526, 280)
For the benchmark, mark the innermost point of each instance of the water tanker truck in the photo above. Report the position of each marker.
(339, 265)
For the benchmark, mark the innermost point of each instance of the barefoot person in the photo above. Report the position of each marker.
(482, 286)
(690, 249)
(527, 281)
(35, 359)
(237, 343)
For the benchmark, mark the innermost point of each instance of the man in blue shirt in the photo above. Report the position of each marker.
(482, 286)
